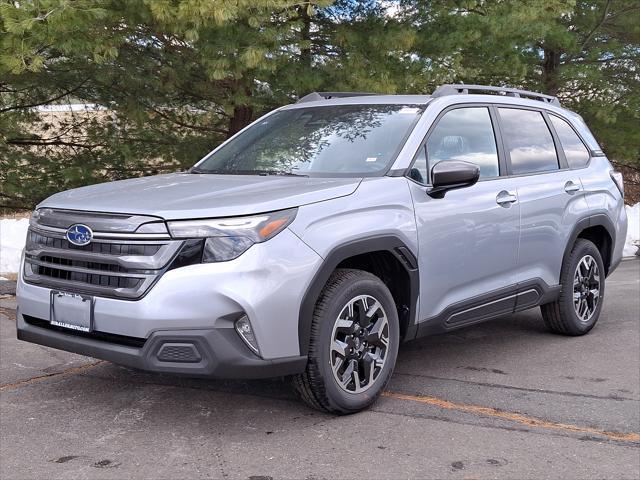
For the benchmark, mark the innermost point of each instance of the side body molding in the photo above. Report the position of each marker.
(388, 243)
(510, 299)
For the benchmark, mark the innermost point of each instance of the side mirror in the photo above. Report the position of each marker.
(450, 175)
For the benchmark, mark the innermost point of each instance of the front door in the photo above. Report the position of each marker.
(468, 240)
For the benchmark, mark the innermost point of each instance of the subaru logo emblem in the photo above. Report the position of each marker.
(79, 234)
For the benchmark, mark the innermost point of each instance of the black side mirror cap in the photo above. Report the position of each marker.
(450, 175)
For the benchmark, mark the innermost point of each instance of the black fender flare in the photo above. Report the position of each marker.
(599, 219)
(390, 243)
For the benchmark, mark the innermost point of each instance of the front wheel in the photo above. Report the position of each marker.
(353, 346)
(582, 279)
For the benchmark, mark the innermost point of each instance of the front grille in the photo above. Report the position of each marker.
(59, 273)
(124, 267)
(115, 248)
(103, 267)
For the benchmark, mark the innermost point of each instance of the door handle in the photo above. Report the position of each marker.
(505, 198)
(571, 187)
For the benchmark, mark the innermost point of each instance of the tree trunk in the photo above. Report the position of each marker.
(242, 116)
(305, 36)
(550, 67)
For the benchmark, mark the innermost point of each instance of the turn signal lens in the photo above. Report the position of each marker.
(272, 228)
(244, 329)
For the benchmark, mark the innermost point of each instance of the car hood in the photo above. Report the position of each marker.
(188, 195)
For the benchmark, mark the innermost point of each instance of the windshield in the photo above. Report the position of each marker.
(337, 140)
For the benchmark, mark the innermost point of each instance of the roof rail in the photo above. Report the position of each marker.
(314, 96)
(458, 89)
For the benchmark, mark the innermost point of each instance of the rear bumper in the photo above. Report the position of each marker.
(211, 353)
(619, 239)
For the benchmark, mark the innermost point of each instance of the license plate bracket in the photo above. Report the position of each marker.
(72, 311)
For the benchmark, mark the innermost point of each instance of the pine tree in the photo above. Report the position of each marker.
(177, 77)
(585, 52)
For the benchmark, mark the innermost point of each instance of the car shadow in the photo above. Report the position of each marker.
(427, 354)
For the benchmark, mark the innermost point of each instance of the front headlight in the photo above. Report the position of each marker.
(228, 238)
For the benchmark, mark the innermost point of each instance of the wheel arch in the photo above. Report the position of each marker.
(384, 256)
(598, 229)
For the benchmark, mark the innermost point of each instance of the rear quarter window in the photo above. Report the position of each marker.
(575, 151)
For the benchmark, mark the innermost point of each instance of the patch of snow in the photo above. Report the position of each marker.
(73, 107)
(632, 243)
(13, 235)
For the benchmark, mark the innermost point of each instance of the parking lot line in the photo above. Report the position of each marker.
(512, 416)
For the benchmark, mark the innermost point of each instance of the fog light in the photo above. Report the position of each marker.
(243, 327)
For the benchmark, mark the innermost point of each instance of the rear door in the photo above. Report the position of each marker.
(468, 240)
(550, 194)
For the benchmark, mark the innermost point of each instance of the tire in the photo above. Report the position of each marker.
(564, 316)
(340, 337)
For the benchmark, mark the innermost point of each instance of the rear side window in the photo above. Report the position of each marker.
(528, 140)
(465, 134)
(575, 151)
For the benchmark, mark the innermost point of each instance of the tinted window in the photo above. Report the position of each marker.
(464, 134)
(344, 140)
(419, 170)
(575, 151)
(529, 141)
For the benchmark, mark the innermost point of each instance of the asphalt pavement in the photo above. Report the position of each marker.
(505, 399)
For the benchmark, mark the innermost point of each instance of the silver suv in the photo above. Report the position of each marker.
(321, 236)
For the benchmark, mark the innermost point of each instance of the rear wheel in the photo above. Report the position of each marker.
(582, 279)
(353, 346)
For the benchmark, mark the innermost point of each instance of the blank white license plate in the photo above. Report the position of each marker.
(73, 311)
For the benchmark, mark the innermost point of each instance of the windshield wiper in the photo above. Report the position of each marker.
(212, 172)
(247, 172)
(277, 172)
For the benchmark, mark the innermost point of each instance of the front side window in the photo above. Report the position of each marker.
(528, 140)
(333, 140)
(418, 171)
(464, 134)
(575, 151)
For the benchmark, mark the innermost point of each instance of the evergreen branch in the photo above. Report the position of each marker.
(474, 10)
(186, 125)
(605, 60)
(50, 100)
(45, 143)
(624, 11)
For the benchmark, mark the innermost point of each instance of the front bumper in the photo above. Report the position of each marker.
(197, 304)
(217, 353)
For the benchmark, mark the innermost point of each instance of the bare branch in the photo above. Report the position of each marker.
(597, 27)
